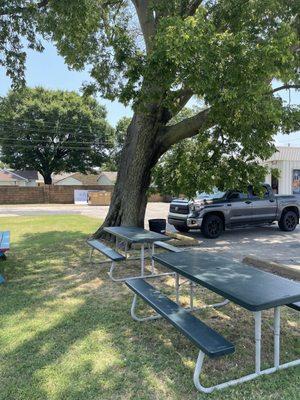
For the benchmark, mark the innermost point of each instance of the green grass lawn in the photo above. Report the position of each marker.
(66, 332)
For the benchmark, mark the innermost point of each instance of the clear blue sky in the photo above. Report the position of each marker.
(49, 70)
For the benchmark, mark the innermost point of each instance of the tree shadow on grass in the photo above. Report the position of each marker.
(64, 338)
(38, 262)
(93, 351)
(77, 340)
(97, 352)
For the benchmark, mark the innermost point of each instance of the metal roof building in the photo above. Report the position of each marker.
(287, 161)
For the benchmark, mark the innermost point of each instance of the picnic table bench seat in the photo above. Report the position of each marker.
(107, 251)
(167, 246)
(295, 306)
(204, 337)
(4, 243)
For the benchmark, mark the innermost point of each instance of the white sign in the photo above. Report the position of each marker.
(80, 196)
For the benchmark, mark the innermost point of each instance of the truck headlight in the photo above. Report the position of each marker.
(197, 207)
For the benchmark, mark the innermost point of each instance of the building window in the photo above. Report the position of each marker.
(274, 184)
(296, 181)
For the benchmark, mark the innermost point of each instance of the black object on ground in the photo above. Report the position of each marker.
(157, 225)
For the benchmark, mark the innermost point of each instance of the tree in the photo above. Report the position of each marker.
(157, 54)
(19, 29)
(52, 131)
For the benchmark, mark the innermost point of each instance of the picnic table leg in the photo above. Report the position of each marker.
(191, 296)
(90, 255)
(177, 287)
(117, 243)
(149, 247)
(139, 319)
(152, 261)
(142, 259)
(276, 337)
(257, 316)
(258, 371)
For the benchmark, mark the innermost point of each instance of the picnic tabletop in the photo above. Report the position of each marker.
(246, 286)
(4, 240)
(134, 234)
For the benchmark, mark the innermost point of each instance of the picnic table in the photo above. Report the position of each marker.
(248, 287)
(131, 235)
(4, 242)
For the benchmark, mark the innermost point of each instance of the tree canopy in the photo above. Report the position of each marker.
(53, 131)
(236, 56)
(19, 21)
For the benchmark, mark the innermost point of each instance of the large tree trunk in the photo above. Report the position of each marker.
(140, 154)
(47, 178)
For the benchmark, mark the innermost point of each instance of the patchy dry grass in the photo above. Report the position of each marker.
(66, 332)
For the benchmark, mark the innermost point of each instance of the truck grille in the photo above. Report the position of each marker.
(179, 209)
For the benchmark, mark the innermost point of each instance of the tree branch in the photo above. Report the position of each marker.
(146, 20)
(193, 7)
(285, 87)
(181, 97)
(184, 129)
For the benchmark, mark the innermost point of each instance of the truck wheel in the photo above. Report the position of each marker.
(181, 228)
(288, 221)
(212, 226)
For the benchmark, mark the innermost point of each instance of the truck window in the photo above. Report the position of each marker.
(263, 195)
(237, 196)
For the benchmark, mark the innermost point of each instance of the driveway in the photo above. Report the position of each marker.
(266, 243)
(154, 210)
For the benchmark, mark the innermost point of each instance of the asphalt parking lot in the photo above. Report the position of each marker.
(263, 242)
(154, 210)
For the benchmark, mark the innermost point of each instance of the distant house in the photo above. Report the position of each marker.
(99, 179)
(18, 178)
(65, 179)
(31, 176)
(107, 178)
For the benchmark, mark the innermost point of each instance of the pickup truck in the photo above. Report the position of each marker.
(225, 210)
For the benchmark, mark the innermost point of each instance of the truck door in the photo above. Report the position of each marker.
(240, 206)
(264, 207)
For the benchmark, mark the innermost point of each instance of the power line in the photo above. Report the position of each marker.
(65, 144)
(55, 134)
(30, 146)
(44, 131)
(37, 121)
(41, 141)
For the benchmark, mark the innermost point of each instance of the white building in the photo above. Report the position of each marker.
(105, 178)
(287, 161)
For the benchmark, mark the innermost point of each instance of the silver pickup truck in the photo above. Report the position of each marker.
(214, 213)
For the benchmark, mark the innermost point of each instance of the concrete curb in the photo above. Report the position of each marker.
(271, 266)
(179, 239)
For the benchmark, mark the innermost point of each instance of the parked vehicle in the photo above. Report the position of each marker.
(212, 214)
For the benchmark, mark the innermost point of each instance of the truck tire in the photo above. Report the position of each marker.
(181, 228)
(288, 221)
(212, 226)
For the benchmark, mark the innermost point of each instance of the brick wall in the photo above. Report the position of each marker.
(53, 194)
(43, 194)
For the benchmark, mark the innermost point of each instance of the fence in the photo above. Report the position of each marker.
(43, 194)
(50, 194)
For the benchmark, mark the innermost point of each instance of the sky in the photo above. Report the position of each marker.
(48, 69)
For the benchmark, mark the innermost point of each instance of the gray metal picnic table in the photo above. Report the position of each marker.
(131, 235)
(251, 288)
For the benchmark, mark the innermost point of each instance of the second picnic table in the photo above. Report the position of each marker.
(131, 235)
